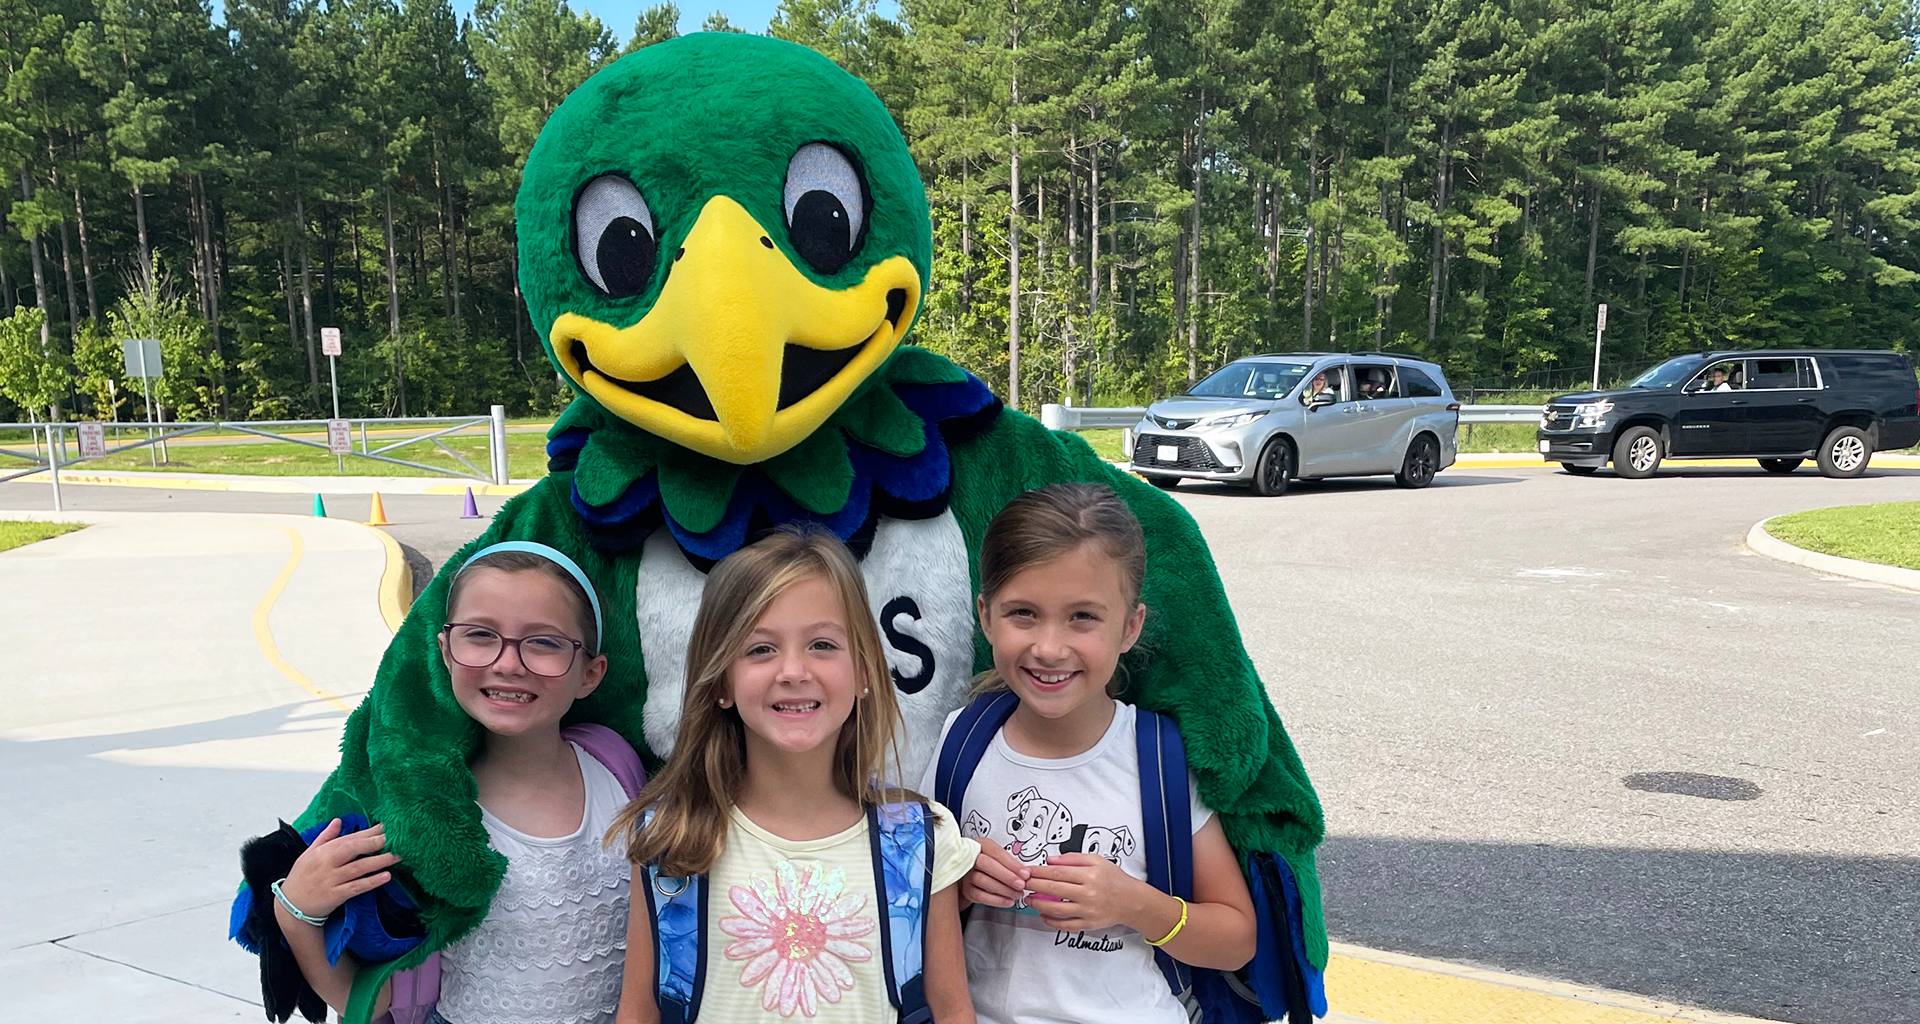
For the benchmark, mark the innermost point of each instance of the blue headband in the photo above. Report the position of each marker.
(550, 554)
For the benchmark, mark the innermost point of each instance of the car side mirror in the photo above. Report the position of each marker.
(1320, 400)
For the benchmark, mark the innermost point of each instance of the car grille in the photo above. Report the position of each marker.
(1194, 454)
(1173, 424)
(1558, 417)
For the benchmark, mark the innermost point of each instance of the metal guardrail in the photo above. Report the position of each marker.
(51, 448)
(1066, 417)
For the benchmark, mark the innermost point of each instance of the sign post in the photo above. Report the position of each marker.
(1600, 328)
(143, 361)
(330, 347)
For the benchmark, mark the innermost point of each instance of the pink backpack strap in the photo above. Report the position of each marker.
(414, 994)
(609, 749)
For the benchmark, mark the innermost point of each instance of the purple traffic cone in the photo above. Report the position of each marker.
(319, 508)
(469, 510)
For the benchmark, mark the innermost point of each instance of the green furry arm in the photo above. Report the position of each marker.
(1189, 663)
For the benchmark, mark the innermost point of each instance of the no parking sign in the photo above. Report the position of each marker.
(93, 440)
(339, 439)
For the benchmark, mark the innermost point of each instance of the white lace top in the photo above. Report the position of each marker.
(554, 940)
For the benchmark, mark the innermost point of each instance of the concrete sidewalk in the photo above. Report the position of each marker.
(172, 684)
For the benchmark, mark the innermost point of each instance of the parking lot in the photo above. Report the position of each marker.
(1566, 727)
(1474, 673)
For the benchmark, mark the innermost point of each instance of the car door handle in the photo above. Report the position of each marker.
(1737, 401)
(1803, 399)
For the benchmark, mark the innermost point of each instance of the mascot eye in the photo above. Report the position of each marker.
(613, 236)
(826, 207)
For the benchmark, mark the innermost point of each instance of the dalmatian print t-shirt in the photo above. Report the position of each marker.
(1019, 970)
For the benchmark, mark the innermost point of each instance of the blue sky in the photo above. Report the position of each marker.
(618, 15)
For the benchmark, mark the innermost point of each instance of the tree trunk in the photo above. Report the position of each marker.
(966, 238)
(86, 253)
(1442, 178)
(1306, 263)
(1093, 230)
(393, 308)
(73, 293)
(306, 293)
(140, 220)
(1593, 236)
(519, 317)
(39, 269)
(1013, 233)
(1193, 272)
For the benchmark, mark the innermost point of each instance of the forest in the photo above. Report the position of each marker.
(1125, 195)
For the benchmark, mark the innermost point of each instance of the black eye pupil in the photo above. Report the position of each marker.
(626, 255)
(819, 231)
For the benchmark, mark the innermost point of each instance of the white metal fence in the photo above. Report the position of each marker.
(54, 446)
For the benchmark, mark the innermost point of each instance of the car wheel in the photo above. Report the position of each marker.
(1165, 483)
(1636, 455)
(1578, 470)
(1845, 452)
(1275, 468)
(1421, 463)
(1780, 465)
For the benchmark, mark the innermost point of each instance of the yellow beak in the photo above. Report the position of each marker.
(742, 356)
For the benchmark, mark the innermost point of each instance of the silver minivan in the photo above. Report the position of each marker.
(1270, 419)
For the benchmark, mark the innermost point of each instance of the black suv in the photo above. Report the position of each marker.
(1780, 407)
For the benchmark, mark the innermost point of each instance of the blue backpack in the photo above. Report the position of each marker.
(1280, 982)
(902, 839)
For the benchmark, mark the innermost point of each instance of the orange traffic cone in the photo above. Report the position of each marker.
(379, 515)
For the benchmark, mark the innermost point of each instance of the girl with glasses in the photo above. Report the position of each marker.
(521, 645)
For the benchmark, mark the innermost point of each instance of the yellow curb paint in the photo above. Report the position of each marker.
(263, 630)
(68, 476)
(481, 490)
(1392, 988)
(396, 583)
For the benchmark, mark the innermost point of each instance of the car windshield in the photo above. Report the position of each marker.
(1669, 374)
(1251, 380)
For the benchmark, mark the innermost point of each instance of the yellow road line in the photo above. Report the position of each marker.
(263, 630)
(1390, 988)
(396, 583)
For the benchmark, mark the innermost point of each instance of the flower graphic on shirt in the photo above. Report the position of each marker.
(796, 932)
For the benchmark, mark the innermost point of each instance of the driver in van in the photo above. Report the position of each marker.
(1318, 385)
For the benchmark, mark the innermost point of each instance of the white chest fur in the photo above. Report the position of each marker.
(922, 594)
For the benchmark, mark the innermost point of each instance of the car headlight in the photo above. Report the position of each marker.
(1590, 414)
(1230, 421)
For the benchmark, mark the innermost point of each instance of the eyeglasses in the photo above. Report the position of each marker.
(543, 654)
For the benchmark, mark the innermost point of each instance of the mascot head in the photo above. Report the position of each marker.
(721, 238)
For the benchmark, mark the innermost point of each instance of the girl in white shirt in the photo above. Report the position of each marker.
(521, 645)
(769, 799)
(1064, 925)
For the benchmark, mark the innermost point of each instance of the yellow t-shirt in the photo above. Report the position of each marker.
(794, 927)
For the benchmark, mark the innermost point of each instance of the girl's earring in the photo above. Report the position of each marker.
(866, 693)
(723, 702)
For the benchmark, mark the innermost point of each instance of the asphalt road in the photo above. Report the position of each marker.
(1473, 672)
(1496, 683)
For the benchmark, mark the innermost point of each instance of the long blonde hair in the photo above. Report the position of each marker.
(694, 792)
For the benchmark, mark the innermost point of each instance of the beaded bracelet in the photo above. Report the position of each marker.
(1150, 942)
(318, 921)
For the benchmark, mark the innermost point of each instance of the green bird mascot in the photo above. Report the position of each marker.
(724, 243)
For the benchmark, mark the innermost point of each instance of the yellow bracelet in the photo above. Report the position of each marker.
(1176, 928)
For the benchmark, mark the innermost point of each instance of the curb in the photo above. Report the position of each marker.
(1760, 542)
(1378, 987)
(396, 582)
(280, 484)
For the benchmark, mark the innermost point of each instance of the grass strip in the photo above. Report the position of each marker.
(526, 458)
(1887, 533)
(14, 534)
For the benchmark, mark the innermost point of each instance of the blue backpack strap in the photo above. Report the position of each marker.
(677, 906)
(966, 743)
(902, 839)
(1167, 820)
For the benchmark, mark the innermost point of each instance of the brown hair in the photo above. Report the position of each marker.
(694, 791)
(525, 561)
(1045, 523)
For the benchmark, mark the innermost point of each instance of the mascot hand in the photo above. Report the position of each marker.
(335, 869)
(997, 879)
